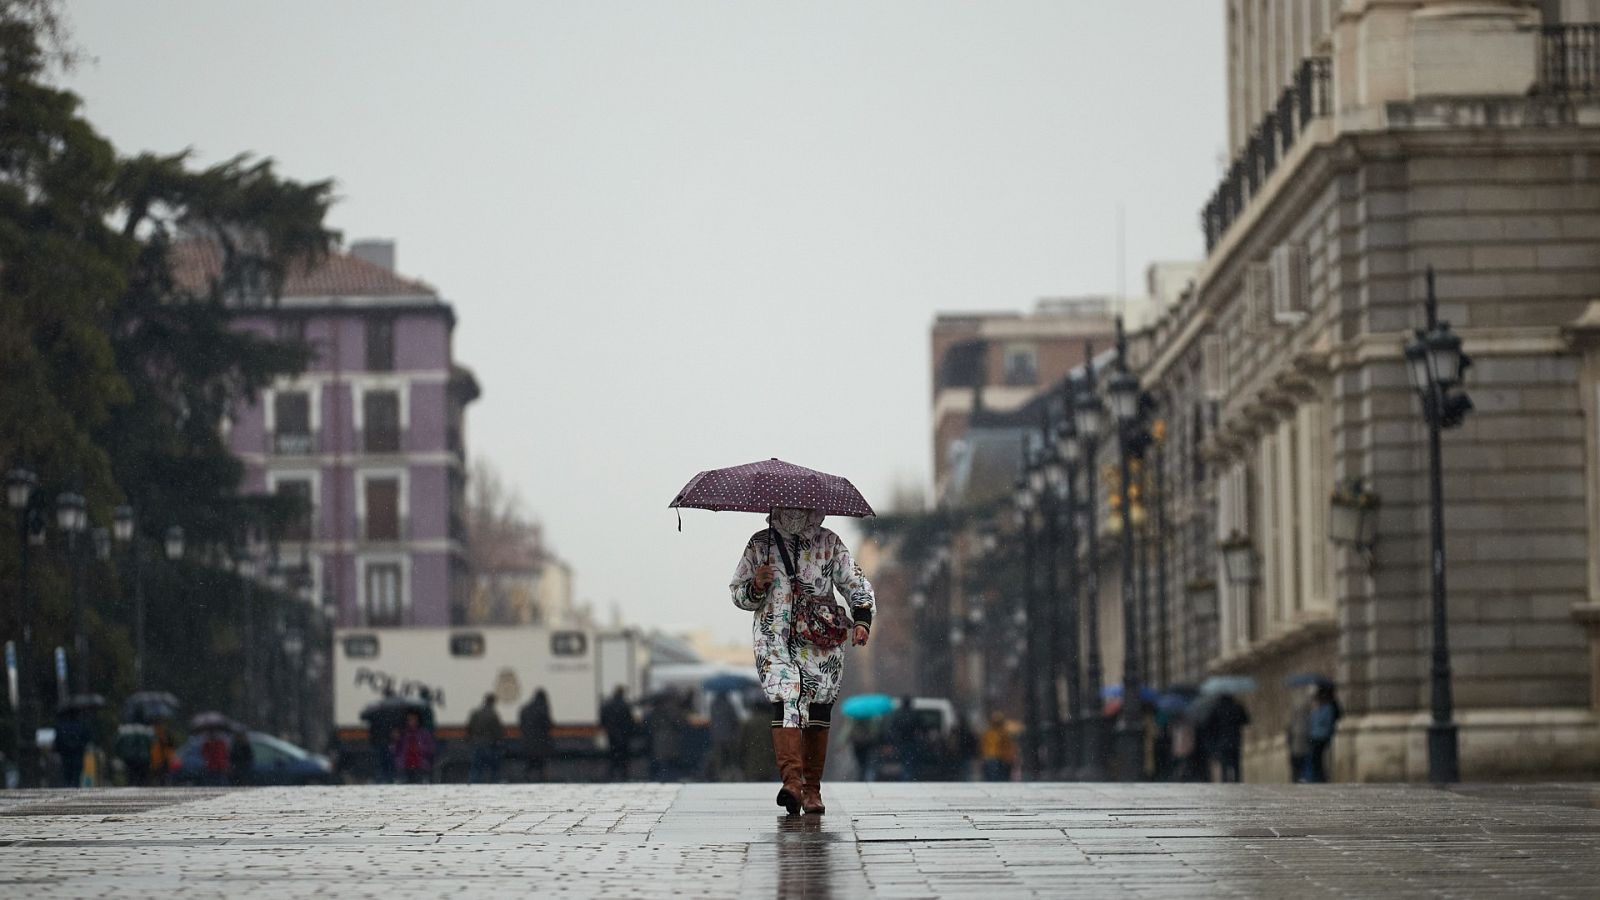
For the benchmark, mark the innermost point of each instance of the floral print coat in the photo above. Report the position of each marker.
(796, 675)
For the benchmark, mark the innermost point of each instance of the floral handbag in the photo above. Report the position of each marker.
(818, 621)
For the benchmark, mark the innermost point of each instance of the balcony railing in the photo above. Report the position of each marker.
(291, 443)
(1569, 60)
(1308, 97)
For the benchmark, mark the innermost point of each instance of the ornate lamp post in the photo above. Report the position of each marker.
(72, 517)
(245, 567)
(1089, 416)
(21, 486)
(1123, 392)
(1436, 364)
(124, 528)
(1043, 478)
(1159, 501)
(1030, 654)
(1069, 452)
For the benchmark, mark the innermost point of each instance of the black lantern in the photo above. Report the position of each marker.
(1025, 497)
(1090, 415)
(72, 515)
(1239, 559)
(1353, 516)
(122, 524)
(174, 543)
(20, 485)
(1123, 390)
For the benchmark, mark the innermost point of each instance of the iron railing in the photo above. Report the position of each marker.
(1569, 60)
(1307, 97)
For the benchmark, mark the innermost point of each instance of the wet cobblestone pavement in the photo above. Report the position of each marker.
(878, 840)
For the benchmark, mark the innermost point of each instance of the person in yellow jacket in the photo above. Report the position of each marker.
(998, 749)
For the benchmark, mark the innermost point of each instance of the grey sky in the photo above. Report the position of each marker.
(682, 235)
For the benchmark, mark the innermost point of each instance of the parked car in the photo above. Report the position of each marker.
(276, 762)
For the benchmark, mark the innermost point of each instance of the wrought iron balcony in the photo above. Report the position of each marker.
(291, 443)
(1308, 97)
(1569, 60)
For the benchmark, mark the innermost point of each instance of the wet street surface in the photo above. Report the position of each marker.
(878, 840)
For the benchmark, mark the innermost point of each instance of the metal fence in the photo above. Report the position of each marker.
(1307, 97)
(1569, 60)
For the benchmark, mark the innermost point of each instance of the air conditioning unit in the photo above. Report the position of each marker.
(1289, 288)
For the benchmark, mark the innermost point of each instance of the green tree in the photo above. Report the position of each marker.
(115, 374)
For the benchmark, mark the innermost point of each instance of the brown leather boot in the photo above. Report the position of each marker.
(786, 749)
(816, 757)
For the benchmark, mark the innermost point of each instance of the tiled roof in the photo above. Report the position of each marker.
(196, 262)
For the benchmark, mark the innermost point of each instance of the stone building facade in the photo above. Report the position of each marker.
(371, 436)
(1375, 139)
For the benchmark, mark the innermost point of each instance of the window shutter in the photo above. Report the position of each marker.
(1212, 361)
(1288, 284)
(1257, 298)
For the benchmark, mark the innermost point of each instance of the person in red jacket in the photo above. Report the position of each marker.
(413, 751)
(215, 765)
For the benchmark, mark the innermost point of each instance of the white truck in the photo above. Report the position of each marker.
(452, 669)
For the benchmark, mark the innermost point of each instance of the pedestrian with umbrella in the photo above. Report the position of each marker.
(384, 719)
(787, 577)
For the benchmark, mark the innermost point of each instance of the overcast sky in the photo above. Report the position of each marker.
(685, 235)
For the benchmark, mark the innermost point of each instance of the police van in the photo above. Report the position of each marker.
(448, 671)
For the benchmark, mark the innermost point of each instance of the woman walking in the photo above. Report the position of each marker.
(787, 577)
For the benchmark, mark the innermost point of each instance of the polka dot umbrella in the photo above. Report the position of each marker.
(759, 486)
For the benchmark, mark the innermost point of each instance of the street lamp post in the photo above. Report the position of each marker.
(1089, 415)
(1043, 476)
(1159, 501)
(1030, 653)
(1068, 450)
(1436, 364)
(245, 567)
(1123, 391)
(21, 485)
(125, 528)
(72, 517)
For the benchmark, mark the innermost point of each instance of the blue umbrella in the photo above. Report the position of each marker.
(1172, 704)
(727, 683)
(1307, 679)
(1228, 684)
(1114, 692)
(867, 706)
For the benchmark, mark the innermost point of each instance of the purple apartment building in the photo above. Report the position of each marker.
(371, 435)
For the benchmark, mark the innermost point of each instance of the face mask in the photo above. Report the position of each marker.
(792, 521)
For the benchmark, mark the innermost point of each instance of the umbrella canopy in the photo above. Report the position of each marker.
(758, 487)
(1308, 679)
(867, 706)
(1228, 684)
(396, 706)
(211, 721)
(1114, 692)
(728, 684)
(1172, 703)
(149, 706)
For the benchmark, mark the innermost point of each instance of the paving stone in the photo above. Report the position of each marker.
(879, 840)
